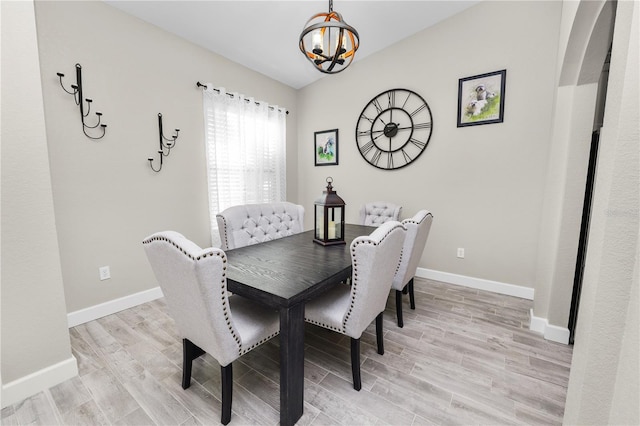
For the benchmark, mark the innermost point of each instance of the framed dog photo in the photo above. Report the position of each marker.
(326, 148)
(481, 99)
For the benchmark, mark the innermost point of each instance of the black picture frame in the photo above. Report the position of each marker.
(481, 99)
(325, 148)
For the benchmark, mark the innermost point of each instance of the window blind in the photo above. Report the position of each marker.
(246, 152)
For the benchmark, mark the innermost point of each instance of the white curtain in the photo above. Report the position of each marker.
(245, 143)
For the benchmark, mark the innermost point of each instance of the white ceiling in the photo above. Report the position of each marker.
(263, 35)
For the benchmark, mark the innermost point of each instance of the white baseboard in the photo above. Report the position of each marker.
(50, 376)
(550, 332)
(478, 283)
(540, 325)
(111, 307)
(33, 383)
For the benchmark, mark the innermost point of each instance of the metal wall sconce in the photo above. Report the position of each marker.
(165, 144)
(77, 95)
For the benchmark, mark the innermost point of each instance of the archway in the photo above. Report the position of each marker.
(588, 39)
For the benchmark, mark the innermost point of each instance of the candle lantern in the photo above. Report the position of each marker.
(329, 217)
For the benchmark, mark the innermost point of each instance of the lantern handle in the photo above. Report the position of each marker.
(329, 181)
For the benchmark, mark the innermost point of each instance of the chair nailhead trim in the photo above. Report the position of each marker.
(330, 327)
(354, 280)
(223, 283)
(226, 239)
(399, 261)
(410, 220)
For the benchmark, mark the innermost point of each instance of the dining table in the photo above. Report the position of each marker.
(284, 274)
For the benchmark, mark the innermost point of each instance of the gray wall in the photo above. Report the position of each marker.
(33, 314)
(106, 197)
(484, 184)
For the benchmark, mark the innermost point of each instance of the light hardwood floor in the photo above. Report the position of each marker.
(463, 357)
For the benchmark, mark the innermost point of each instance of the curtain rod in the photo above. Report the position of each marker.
(198, 84)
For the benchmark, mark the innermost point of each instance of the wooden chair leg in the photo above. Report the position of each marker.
(189, 353)
(399, 308)
(355, 363)
(412, 299)
(226, 373)
(379, 336)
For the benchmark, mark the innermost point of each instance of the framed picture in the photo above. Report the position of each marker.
(481, 99)
(326, 148)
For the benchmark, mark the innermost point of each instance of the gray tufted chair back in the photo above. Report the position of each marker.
(349, 309)
(417, 232)
(194, 284)
(378, 212)
(248, 224)
(375, 260)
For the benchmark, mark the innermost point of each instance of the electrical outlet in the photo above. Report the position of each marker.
(460, 253)
(105, 273)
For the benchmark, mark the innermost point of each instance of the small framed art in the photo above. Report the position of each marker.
(326, 148)
(481, 99)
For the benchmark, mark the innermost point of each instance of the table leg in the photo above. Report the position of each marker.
(291, 364)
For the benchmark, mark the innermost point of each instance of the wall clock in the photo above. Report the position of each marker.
(393, 129)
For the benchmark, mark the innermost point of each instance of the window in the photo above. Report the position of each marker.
(245, 143)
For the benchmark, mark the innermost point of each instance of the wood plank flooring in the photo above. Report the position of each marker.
(463, 357)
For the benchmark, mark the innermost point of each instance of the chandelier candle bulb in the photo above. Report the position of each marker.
(317, 41)
(343, 48)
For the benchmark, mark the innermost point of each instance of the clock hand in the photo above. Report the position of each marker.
(373, 139)
(380, 131)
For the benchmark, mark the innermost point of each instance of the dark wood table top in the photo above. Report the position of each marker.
(290, 270)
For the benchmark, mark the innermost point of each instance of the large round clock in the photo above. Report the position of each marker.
(394, 129)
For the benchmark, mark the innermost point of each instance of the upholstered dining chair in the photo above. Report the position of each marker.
(248, 224)
(194, 284)
(418, 228)
(349, 309)
(379, 212)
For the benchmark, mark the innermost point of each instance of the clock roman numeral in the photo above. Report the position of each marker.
(364, 132)
(364, 149)
(389, 160)
(420, 108)
(377, 105)
(376, 157)
(392, 98)
(370, 120)
(406, 100)
(422, 126)
(418, 143)
(407, 157)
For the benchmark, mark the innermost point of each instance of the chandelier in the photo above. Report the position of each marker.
(329, 42)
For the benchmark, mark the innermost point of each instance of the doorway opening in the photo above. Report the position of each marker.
(588, 196)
